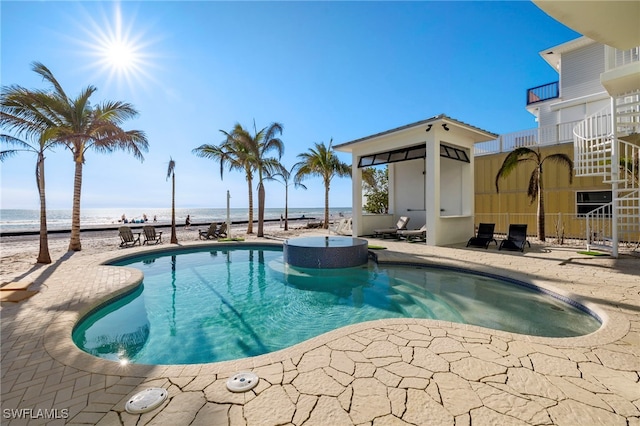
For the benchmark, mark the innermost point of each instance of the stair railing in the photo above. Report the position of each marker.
(593, 138)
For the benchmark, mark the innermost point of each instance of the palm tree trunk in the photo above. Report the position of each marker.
(261, 196)
(174, 237)
(541, 235)
(250, 224)
(43, 254)
(325, 225)
(286, 207)
(74, 243)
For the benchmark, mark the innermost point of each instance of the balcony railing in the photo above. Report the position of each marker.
(618, 58)
(542, 93)
(539, 136)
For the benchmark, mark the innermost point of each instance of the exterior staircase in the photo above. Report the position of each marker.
(607, 144)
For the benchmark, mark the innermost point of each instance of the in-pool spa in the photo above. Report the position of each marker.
(209, 305)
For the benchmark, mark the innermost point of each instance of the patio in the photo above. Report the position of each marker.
(387, 372)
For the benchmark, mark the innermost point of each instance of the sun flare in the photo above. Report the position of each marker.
(118, 47)
(119, 55)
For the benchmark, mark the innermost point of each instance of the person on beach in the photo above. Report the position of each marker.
(187, 223)
(155, 219)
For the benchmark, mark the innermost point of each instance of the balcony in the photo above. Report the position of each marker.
(539, 136)
(543, 93)
(622, 70)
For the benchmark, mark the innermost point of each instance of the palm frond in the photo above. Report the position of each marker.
(171, 168)
(563, 160)
(512, 160)
(532, 189)
(47, 75)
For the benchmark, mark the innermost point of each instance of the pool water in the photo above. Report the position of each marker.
(215, 305)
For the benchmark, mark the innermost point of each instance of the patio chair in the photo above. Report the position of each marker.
(222, 231)
(209, 233)
(151, 236)
(126, 237)
(412, 235)
(484, 236)
(516, 239)
(343, 227)
(392, 232)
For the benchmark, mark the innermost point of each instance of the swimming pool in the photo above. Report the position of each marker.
(209, 305)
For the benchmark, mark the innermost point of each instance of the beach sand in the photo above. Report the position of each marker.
(18, 254)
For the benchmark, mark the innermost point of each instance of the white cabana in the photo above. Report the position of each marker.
(431, 177)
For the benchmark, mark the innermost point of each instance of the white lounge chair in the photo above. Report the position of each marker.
(413, 234)
(392, 232)
(343, 227)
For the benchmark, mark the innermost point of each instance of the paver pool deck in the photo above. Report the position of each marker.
(386, 372)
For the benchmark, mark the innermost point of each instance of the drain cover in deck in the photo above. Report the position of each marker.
(146, 400)
(242, 382)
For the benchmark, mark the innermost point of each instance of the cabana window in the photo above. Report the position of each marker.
(453, 153)
(404, 154)
(411, 153)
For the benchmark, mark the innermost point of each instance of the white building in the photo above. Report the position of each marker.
(430, 177)
(594, 105)
(606, 142)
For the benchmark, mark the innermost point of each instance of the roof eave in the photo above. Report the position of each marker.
(483, 134)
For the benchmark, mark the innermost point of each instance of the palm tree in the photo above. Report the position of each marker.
(172, 174)
(242, 151)
(81, 126)
(257, 146)
(321, 161)
(285, 175)
(236, 158)
(43, 144)
(535, 189)
(18, 114)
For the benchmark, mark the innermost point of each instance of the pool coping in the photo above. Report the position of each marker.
(59, 344)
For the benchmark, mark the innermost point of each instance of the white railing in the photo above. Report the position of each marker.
(624, 57)
(628, 114)
(616, 58)
(592, 145)
(599, 228)
(629, 166)
(628, 208)
(539, 136)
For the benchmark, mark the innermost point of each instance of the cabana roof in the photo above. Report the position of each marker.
(476, 133)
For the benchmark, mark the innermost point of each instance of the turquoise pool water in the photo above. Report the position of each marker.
(200, 306)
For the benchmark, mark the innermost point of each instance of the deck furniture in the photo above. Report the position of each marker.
(210, 233)
(222, 231)
(127, 238)
(412, 235)
(484, 236)
(516, 239)
(151, 236)
(392, 232)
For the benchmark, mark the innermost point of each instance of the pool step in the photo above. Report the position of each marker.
(427, 302)
(409, 307)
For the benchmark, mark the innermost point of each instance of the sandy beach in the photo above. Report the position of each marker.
(18, 254)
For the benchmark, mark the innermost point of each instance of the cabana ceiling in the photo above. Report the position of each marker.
(411, 153)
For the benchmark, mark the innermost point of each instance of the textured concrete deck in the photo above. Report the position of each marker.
(388, 372)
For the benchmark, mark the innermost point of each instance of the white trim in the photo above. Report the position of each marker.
(579, 101)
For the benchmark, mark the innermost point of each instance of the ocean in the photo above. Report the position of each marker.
(16, 220)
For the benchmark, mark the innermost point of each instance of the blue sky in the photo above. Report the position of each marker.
(340, 70)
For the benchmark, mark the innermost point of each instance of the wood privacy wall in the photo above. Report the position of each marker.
(560, 196)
